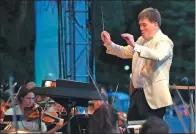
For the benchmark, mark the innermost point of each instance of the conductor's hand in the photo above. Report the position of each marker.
(105, 36)
(129, 39)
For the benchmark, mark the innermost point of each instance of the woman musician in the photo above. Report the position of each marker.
(26, 98)
(104, 115)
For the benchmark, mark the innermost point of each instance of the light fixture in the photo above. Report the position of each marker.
(48, 83)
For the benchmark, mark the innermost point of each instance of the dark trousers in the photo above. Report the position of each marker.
(139, 108)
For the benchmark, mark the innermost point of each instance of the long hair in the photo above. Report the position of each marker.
(104, 120)
(23, 92)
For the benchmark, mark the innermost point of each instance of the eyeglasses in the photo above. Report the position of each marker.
(30, 98)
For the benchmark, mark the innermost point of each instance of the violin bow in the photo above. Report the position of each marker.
(11, 86)
(115, 94)
(88, 69)
(11, 95)
(95, 84)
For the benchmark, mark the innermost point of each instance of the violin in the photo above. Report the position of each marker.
(47, 117)
(122, 119)
(3, 108)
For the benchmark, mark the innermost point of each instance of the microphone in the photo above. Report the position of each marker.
(185, 80)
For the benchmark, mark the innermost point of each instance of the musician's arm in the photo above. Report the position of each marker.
(53, 130)
(58, 126)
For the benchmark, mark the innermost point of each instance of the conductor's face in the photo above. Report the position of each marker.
(148, 29)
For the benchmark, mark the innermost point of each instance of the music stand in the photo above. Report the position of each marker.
(9, 118)
(70, 94)
(2, 126)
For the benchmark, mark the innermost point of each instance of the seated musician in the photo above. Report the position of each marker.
(155, 125)
(26, 98)
(30, 85)
(43, 99)
(97, 103)
(104, 120)
(105, 117)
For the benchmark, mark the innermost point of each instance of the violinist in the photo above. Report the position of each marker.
(95, 104)
(30, 85)
(99, 103)
(26, 98)
(104, 120)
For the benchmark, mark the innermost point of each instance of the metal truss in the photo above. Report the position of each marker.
(75, 40)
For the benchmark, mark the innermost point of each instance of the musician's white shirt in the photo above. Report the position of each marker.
(136, 76)
(26, 125)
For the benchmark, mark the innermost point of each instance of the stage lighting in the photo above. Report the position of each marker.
(48, 83)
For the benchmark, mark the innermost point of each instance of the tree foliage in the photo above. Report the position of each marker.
(17, 29)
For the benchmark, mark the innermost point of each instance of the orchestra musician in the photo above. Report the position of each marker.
(26, 98)
(93, 105)
(104, 120)
(30, 85)
(103, 110)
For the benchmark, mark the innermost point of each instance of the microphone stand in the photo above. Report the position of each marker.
(183, 102)
(180, 118)
(192, 127)
(95, 84)
(191, 111)
(13, 103)
(40, 118)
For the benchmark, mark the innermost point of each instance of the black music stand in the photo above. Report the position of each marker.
(9, 118)
(70, 94)
(2, 126)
